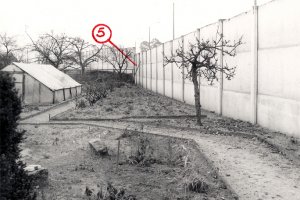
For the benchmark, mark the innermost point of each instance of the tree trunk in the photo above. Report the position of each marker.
(120, 73)
(197, 95)
(82, 70)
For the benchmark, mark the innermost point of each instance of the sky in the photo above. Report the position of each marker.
(129, 20)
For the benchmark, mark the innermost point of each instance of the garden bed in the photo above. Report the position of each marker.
(127, 101)
(150, 166)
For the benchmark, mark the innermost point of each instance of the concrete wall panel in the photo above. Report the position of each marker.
(279, 72)
(236, 105)
(209, 98)
(189, 93)
(279, 114)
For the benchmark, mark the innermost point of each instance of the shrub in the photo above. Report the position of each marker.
(81, 103)
(111, 193)
(143, 156)
(95, 92)
(14, 182)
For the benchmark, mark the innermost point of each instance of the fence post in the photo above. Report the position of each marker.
(150, 68)
(142, 68)
(146, 70)
(183, 82)
(172, 73)
(102, 62)
(135, 69)
(220, 109)
(156, 84)
(139, 68)
(198, 36)
(254, 85)
(164, 73)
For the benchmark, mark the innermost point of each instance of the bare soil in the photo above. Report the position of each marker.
(133, 101)
(130, 100)
(170, 164)
(256, 162)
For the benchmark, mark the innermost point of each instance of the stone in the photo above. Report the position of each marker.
(99, 147)
(39, 173)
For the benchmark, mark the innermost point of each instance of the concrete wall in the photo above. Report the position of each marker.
(265, 89)
(279, 68)
(239, 87)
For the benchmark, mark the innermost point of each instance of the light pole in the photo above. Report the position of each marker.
(149, 39)
(173, 20)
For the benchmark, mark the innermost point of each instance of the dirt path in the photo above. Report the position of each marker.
(44, 116)
(250, 167)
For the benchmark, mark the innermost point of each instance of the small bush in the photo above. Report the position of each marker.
(81, 103)
(111, 193)
(95, 92)
(144, 154)
(198, 186)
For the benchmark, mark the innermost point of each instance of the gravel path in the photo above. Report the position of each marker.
(44, 116)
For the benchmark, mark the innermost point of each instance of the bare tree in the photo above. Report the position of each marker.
(9, 50)
(82, 53)
(115, 58)
(201, 59)
(52, 49)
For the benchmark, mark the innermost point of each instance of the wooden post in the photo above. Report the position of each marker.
(23, 88)
(40, 92)
(118, 155)
(170, 151)
(64, 94)
(53, 92)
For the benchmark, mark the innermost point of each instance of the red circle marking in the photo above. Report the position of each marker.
(95, 37)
